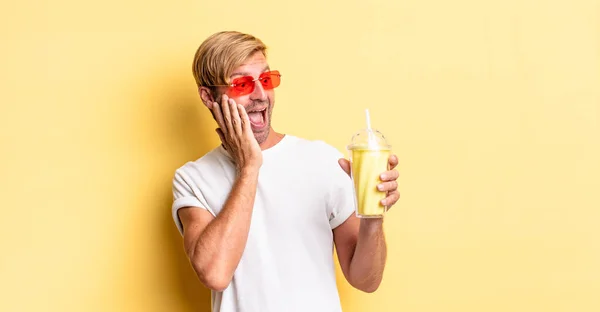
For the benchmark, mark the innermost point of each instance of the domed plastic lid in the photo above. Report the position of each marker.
(369, 139)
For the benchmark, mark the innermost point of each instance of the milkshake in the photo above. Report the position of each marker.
(369, 154)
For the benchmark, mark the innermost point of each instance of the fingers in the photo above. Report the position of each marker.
(389, 175)
(391, 199)
(216, 108)
(393, 162)
(222, 137)
(345, 164)
(244, 118)
(236, 122)
(229, 131)
(389, 183)
(387, 186)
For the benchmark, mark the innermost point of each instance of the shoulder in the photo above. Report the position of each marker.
(317, 148)
(207, 163)
(319, 155)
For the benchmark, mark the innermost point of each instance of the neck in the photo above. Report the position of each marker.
(272, 139)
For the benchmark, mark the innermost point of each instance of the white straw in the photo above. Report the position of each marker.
(371, 137)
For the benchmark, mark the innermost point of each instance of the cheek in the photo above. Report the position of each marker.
(219, 93)
(244, 99)
(271, 96)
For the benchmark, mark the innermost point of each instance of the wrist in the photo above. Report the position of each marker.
(371, 223)
(248, 172)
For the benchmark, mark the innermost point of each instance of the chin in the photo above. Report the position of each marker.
(262, 136)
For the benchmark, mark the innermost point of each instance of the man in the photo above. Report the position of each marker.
(261, 213)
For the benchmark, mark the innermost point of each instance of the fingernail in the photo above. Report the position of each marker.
(383, 202)
(383, 176)
(380, 187)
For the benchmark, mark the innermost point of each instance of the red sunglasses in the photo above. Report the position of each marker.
(245, 85)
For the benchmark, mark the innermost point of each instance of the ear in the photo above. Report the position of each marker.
(206, 96)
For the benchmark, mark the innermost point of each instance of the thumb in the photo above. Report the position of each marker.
(345, 164)
(222, 137)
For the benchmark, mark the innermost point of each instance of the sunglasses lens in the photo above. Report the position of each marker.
(270, 80)
(242, 86)
(245, 85)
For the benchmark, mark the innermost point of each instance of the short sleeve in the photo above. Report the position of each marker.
(340, 197)
(185, 194)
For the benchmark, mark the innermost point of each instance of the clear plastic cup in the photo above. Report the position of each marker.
(369, 154)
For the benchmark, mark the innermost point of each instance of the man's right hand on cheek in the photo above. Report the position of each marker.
(236, 134)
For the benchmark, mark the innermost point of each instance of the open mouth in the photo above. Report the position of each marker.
(258, 118)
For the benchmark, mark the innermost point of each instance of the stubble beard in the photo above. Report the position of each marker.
(262, 135)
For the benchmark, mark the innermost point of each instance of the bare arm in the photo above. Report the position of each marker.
(360, 243)
(362, 252)
(215, 245)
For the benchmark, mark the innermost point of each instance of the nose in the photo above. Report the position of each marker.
(259, 93)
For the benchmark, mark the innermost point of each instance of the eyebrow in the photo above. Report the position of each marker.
(266, 68)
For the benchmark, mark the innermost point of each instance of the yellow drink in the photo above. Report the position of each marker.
(367, 166)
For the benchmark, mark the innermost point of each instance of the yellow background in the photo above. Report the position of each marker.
(492, 106)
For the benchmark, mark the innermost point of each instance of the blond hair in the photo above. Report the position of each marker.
(220, 54)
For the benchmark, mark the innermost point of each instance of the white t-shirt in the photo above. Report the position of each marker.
(302, 194)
